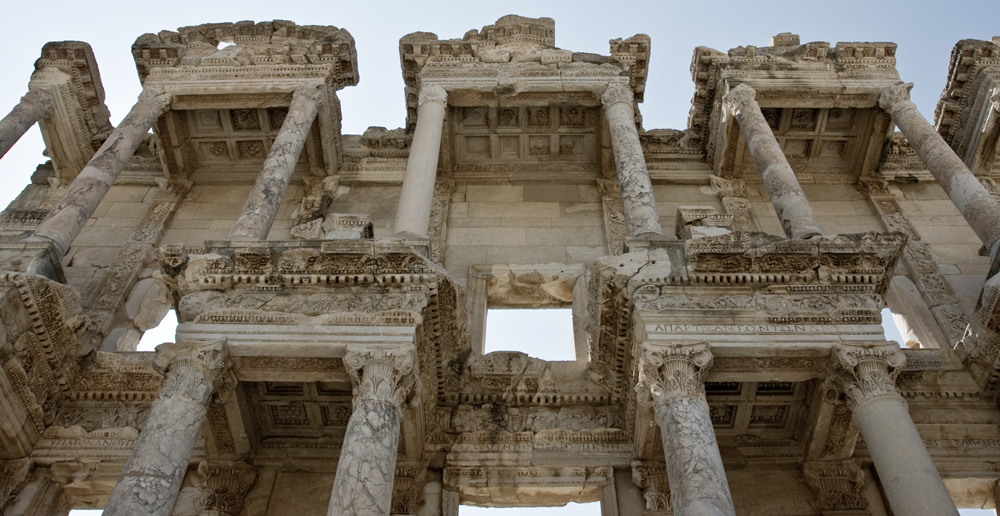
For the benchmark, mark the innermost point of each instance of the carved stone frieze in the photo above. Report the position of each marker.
(226, 485)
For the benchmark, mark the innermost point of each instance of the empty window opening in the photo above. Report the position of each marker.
(570, 509)
(164, 332)
(892, 330)
(544, 333)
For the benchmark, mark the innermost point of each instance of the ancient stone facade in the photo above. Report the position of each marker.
(726, 282)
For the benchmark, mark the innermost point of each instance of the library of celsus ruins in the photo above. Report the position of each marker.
(726, 281)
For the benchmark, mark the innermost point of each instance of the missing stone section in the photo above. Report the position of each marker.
(544, 333)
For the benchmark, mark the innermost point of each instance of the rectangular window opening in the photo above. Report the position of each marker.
(570, 509)
(543, 333)
(165, 332)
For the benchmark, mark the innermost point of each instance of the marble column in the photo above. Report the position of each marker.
(867, 374)
(75, 207)
(413, 213)
(152, 476)
(973, 201)
(672, 378)
(639, 205)
(254, 223)
(34, 106)
(383, 379)
(794, 212)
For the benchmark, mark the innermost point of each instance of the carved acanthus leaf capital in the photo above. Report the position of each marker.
(838, 484)
(311, 92)
(382, 373)
(225, 486)
(617, 93)
(153, 102)
(433, 93)
(739, 97)
(668, 372)
(867, 372)
(892, 95)
(40, 101)
(193, 369)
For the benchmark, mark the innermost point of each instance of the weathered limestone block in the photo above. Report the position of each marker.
(152, 476)
(672, 377)
(34, 105)
(72, 211)
(384, 379)
(148, 303)
(867, 374)
(633, 177)
(794, 212)
(413, 214)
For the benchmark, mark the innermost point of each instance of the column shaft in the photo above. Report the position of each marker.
(254, 223)
(413, 213)
(34, 106)
(973, 201)
(911, 482)
(639, 205)
(383, 379)
(152, 476)
(675, 376)
(74, 208)
(794, 212)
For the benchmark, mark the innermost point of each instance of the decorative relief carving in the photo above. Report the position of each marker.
(838, 484)
(13, 473)
(651, 477)
(437, 231)
(225, 486)
(867, 373)
(195, 370)
(614, 215)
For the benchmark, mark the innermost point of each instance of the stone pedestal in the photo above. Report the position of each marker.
(413, 214)
(633, 177)
(867, 373)
(672, 377)
(33, 107)
(970, 197)
(75, 207)
(383, 379)
(254, 223)
(794, 211)
(154, 471)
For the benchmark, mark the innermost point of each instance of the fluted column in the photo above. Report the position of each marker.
(75, 207)
(633, 177)
(154, 471)
(34, 106)
(413, 213)
(383, 379)
(254, 223)
(973, 201)
(672, 377)
(867, 374)
(794, 212)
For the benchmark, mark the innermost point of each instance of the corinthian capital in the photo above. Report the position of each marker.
(738, 98)
(382, 373)
(40, 101)
(867, 372)
(433, 93)
(193, 369)
(225, 486)
(312, 93)
(668, 372)
(617, 93)
(892, 95)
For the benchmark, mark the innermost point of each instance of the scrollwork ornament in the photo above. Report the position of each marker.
(382, 374)
(669, 372)
(868, 372)
(739, 97)
(893, 95)
(617, 93)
